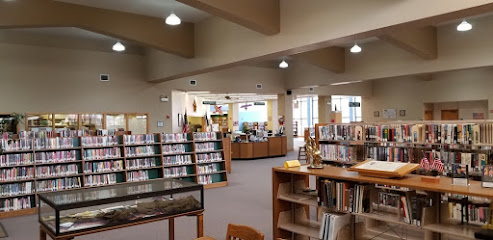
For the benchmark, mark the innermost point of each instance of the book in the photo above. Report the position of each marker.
(487, 176)
(460, 174)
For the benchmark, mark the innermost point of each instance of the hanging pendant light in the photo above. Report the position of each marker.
(355, 49)
(173, 20)
(283, 64)
(464, 26)
(118, 47)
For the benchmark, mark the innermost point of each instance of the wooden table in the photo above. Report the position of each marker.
(44, 231)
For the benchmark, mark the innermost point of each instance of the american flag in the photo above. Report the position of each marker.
(185, 127)
(437, 165)
(424, 164)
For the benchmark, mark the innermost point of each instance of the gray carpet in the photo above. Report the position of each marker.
(247, 200)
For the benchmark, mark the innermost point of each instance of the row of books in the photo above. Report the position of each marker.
(174, 148)
(174, 137)
(335, 152)
(13, 189)
(16, 145)
(102, 153)
(58, 184)
(138, 139)
(475, 161)
(17, 173)
(391, 154)
(104, 166)
(139, 151)
(135, 176)
(341, 132)
(477, 214)
(99, 141)
(205, 136)
(175, 172)
(349, 197)
(31, 134)
(106, 132)
(178, 159)
(332, 224)
(99, 180)
(140, 163)
(56, 156)
(444, 133)
(209, 157)
(57, 170)
(204, 147)
(73, 133)
(204, 179)
(12, 204)
(208, 168)
(16, 159)
(6, 135)
(53, 143)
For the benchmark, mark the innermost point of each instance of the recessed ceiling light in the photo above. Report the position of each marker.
(118, 47)
(464, 26)
(173, 20)
(355, 48)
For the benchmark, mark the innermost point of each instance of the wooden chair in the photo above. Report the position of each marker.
(241, 232)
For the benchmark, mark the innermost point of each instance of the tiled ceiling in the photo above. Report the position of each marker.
(154, 8)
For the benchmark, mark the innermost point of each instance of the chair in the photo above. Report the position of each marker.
(302, 154)
(241, 232)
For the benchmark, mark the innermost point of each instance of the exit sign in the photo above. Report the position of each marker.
(354, 104)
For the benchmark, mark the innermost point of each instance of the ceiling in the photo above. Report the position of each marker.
(61, 32)
(220, 98)
(153, 8)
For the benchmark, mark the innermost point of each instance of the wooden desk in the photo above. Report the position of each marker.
(44, 231)
(275, 146)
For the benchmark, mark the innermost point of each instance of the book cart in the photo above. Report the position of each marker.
(292, 218)
(32, 166)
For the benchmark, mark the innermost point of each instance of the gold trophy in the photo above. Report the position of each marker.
(313, 154)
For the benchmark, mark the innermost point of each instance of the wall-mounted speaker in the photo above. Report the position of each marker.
(104, 77)
(289, 92)
(193, 82)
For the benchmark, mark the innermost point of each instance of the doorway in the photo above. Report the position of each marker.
(450, 114)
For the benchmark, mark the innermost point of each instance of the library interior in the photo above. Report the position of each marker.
(246, 119)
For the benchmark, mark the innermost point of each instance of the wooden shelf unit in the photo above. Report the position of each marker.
(433, 223)
(480, 144)
(158, 169)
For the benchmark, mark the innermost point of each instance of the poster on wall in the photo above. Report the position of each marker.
(477, 115)
(390, 113)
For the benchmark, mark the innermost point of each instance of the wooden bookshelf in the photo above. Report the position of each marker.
(395, 141)
(156, 171)
(286, 201)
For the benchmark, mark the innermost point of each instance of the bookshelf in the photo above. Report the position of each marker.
(293, 216)
(466, 142)
(32, 166)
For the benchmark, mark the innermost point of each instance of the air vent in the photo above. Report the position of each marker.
(104, 77)
(311, 89)
(193, 82)
(259, 86)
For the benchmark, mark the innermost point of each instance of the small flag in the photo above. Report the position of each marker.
(424, 164)
(186, 127)
(437, 165)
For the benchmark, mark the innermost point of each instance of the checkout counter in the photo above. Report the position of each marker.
(275, 146)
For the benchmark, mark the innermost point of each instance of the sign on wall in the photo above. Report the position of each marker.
(354, 104)
(390, 113)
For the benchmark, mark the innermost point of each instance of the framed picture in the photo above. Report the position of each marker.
(402, 113)
(160, 123)
(390, 113)
(376, 114)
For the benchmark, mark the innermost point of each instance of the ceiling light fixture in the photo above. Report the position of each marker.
(173, 20)
(344, 83)
(464, 26)
(118, 47)
(283, 64)
(355, 48)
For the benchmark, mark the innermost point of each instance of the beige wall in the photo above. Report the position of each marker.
(45, 79)
(410, 93)
(466, 108)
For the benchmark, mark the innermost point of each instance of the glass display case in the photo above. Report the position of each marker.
(95, 208)
(66, 122)
(91, 121)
